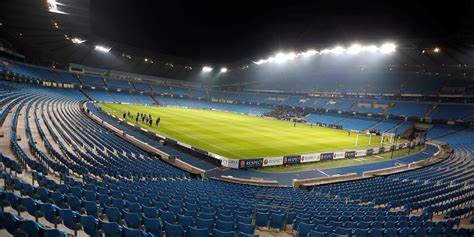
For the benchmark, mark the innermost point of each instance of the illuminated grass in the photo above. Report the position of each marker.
(242, 136)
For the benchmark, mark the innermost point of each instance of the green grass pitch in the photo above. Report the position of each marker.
(242, 136)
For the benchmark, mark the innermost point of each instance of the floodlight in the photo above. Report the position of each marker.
(338, 50)
(371, 48)
(223, 69)
(260, 62)
(309, 53)
(436, 50)
(325, 51)
(388, 48)
(206, 69)
(102, 48)
(53, 6)
(354, 49)
(77, 40)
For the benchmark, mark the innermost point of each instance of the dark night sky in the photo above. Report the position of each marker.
(231, 30)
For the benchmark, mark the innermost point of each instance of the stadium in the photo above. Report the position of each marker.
(199, 119)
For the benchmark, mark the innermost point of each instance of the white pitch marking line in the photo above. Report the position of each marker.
(379, 156)
(323, 172)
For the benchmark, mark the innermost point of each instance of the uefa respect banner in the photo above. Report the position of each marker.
(327, 156)
(287, 160)
(339, 155)
(310, 157)
(350, 154)
(250, 163)
(273, 161)
(359, 153)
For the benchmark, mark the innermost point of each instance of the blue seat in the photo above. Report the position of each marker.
(225, 225)
(420, 231)
(244, 219)
(91, 208)
(131, 219)
(350, 224)
(70, 219)
(153, 225)
(299, 220)
(167, 216)
(405, 232)
(41, 193)
(10, 199)
(89, 225)
(9, 222)
(89, 195)
(29, 227)
(203, 215)
(76, 191)
(360, 232)
(218, 233)
(133, 207)
(49, 212)
(390, 232)
(434, 231)
(225, 217)
(342, 231)
(324, 228)
(197, 232)
(247, 235)
(245, 228)
(129, 232)
(109, 229)
(205, 223)
(117, 202)
(74, 203)
(375, 232)
(113, 214)
(304, 228)
(277, 221)
(58, 199)
(27, 190)
(52, 233)
(173, 230)
(29, 205)
(314, 233)
(103, 199)
(150, 212)
(261, 219)
(185, 221)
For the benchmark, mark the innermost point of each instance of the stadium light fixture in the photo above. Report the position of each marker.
(354, 49)
(338, 50)
(102, 48)
(53, 6)
(206, 69)
(282, 57)
(370, 48)
(309, 53)
(388, 48)
(223, 69)
(78, 40)
(436, 50)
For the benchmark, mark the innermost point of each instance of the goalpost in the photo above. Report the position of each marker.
(385, 138)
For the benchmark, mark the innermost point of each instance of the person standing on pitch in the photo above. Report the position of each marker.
(157, 121)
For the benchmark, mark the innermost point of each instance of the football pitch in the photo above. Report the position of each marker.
(242, 136)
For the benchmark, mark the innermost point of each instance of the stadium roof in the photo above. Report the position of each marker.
(174, 38)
